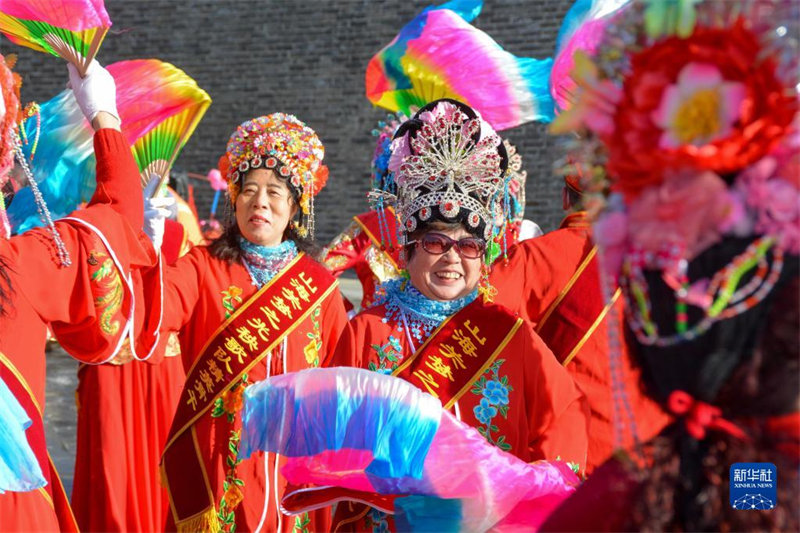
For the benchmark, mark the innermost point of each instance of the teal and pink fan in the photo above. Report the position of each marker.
(440, 54)
(70, 29)
(348, 433)
(160, 107)
(582, 30)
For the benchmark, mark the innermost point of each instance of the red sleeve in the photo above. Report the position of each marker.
(557, 410)
(90, 303)
(118, 181)
(334, 322)
(346, 250)
(182, 282)
(537, 270)
(345, 353)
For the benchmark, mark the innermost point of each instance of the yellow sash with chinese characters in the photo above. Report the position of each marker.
(240, 343)
(459, 351)
(455, 355)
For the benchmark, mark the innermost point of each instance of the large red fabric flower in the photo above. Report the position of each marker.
(637, 157)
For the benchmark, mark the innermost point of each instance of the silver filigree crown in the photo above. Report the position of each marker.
(449, 167)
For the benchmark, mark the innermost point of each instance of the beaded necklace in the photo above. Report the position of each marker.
(725, 299)
(409, 308)
(263, 262)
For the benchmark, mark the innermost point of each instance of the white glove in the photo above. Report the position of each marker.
(94, 93)
(156, 211)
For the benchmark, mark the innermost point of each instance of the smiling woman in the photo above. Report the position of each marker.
(432, 328)
(250, 305)
(264, 207)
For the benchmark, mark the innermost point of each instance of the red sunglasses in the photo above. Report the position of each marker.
(438, 244)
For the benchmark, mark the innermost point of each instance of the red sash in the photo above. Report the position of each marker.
(455, 355)
(370, 226)
(577, 312)
(53, 492)
(240, 343)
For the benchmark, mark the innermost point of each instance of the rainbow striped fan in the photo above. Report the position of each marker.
(440, 55)
(160, 107)
(157, 140)
(70, 29)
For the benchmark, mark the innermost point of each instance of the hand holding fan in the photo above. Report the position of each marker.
(70, 29)
(149, 93)
(440, 55)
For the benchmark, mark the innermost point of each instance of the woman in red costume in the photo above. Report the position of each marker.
(73, 278)
(694, 131)
(434, 330)
(250, 305)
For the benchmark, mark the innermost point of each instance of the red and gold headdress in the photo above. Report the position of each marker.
(282, 143)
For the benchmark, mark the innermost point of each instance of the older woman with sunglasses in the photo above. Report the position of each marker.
(436, 327)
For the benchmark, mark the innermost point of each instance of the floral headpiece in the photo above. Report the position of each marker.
(382, 177)
(688, 118)
(9, 117)
(449, 165)
(282, 143)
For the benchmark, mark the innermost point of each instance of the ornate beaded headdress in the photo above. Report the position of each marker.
(282, 143)
(688, 121)
(449, 165)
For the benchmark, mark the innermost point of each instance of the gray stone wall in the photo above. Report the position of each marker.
(305, 57)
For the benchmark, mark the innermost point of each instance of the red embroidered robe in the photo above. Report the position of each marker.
(553, 282)
(88, 306)
(545, 417)
(125, 412)
(200, 290)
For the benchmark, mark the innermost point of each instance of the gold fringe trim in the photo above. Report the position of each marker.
(206, 522)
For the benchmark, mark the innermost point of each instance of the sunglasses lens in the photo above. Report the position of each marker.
(435, 244)
(471, 248)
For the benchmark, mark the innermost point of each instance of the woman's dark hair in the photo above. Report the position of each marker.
(748, 366)
(226, 247)
(6, 290)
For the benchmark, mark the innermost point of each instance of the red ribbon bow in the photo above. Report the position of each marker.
(700, 416)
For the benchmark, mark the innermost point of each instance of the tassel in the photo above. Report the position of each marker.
(205, 522)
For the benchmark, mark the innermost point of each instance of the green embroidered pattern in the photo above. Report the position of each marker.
(108, 293)
(231, 298)
(227, 406)
(494, 401)
(314, 346)
(389, 356)
(301, 523)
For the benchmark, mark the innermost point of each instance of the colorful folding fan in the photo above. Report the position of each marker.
(159, 105)
(348, 433)
(70, 29)
(157, 139)
(440, 55)
(582, 29)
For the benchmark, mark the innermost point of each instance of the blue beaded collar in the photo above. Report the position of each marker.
(406, 306)
(263, 262)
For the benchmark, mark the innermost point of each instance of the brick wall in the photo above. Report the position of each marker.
(305, 57)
